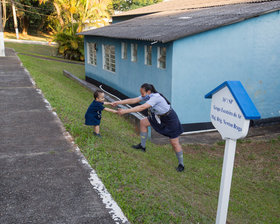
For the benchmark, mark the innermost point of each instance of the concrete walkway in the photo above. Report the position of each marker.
(43, 177)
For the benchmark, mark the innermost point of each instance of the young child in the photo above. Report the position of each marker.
(93, 114)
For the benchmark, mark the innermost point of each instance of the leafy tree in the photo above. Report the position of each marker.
(95, 13)
(124, 5)
(32, 14)
(92, 12)
(70, 45)
(72, 16)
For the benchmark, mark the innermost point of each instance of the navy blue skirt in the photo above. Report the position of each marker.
(170, 125)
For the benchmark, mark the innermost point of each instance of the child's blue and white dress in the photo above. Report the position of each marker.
(94, 113)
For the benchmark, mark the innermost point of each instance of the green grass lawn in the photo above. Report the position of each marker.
(35, 49)
(38, 50)
(146, 185)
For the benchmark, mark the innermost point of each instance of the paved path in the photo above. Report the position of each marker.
(43, 178)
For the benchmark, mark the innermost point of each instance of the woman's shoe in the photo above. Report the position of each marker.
(180, 168)
(139, 146)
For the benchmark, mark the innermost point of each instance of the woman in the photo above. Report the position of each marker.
(161, 117)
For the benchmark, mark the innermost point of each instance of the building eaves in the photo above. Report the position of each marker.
(172, 25)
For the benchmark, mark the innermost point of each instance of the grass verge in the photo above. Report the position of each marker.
(36, 37)
(35, 49)
(146, 185)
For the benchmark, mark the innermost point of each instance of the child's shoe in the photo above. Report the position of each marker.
(139, 146)
(97, 135)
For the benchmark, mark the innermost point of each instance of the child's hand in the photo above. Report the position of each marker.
(108, 103)
(114, 104)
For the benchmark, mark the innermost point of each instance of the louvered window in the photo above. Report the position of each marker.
(109, 58)
(162, 57)
(134, 52)
(92, 54)
(124, 50)
(148, 55)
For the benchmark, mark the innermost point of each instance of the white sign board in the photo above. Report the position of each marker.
(227, 117)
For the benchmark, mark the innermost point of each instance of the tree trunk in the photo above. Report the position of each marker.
(4, 14)
(25, 25)
(58, 14)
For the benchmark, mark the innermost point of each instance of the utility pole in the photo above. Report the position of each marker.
(15, 19)
(2, 46)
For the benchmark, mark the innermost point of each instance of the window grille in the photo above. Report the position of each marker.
(134, 52)
(124, 50)
(148, 55)
(92, 53)
(109, 58)
(162, 57)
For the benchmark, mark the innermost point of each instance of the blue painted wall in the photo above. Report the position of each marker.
(248, 51)
(129, 76)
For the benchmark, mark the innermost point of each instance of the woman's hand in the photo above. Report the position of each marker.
(114, 104)
(121, 111)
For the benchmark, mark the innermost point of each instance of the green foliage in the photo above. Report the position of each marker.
(124, 5)
(32, 16)
(70, 45)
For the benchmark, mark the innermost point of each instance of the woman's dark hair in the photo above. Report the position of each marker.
(96, 93)
(150, 87)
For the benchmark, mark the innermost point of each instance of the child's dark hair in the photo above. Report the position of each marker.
(151, 87)
(96, 93)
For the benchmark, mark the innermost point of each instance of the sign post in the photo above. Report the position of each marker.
(231, 112)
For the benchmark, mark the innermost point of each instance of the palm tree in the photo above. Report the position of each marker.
(70, 45)
(94, 12)
(72, 15)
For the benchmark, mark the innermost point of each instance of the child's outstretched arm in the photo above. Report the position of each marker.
(110, 110)
(107, 103)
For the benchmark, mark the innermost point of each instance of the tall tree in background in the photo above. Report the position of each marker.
(4, 11)
(71, 18)
(92, 12)
(124, 5)
(32, 14)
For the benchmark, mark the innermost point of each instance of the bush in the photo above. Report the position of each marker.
(70, 45)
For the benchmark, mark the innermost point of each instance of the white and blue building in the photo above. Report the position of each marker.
(187, 52)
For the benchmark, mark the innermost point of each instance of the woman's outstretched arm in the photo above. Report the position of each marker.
(127, 101)
(134, 109)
